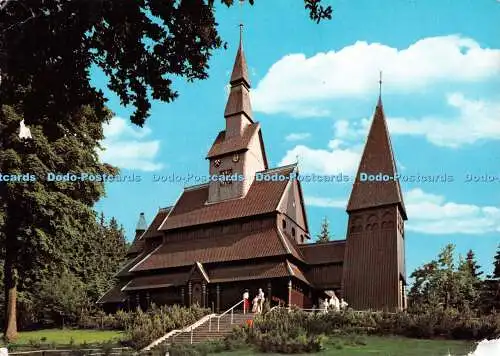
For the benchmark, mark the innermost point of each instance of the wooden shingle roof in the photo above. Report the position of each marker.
(377, 158)
(156, 281)
(322, 253)
(229, 247)
(223, 145)
(152, 231)
(248, 272)
(192, 208)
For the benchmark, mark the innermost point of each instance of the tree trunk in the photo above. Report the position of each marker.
(10, 332)
(10, 283)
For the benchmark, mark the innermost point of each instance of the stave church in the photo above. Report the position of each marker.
(223, 237)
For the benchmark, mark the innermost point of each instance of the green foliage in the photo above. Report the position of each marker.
(441, 283)
(444, 323)
(238, 339)
(140, 47)
(324, 235)
(202, 349)
(61, 298)
(496, 265)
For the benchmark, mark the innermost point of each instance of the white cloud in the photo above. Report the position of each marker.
(299, 136)
(295, 84)
(323, 161)
(325, 202)
(432, 214)
(341, 156)
(126, 147)
(476, 120)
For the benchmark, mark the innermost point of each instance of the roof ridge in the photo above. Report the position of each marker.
(314, 244)
(197, 186)
(270, 170)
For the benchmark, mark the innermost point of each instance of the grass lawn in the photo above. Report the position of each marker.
(64, 337)
(386, 346)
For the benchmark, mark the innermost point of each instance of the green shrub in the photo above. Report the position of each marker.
(238, 339)
(280, 341)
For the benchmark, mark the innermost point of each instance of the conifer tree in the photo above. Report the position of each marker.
(324, 235)
(471, 266)
(496, 264)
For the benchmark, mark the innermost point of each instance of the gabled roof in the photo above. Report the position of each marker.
(152, 231)
(192, 208)
(223, 146)
(377, 158)
(323, 252)
(267, 242)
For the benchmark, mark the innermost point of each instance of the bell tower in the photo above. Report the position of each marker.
(374, 263)
(238, 151)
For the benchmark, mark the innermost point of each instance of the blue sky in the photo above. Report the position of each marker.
(314, 89)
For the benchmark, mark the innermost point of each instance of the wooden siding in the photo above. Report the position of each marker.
(326, 276)
(371, 273)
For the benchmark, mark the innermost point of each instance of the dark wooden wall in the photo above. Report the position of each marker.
(372, 260)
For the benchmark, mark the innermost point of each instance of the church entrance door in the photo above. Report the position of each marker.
(197, 294)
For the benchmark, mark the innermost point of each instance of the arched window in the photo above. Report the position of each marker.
(293, 231)
(284, 224)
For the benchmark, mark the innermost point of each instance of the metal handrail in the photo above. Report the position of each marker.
(220, 316)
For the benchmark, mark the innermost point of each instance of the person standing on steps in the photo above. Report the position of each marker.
(246, 302)
(261, 300)
(255, 302)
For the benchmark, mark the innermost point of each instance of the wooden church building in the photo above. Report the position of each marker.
(223, 237)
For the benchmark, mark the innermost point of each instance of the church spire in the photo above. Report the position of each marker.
(377, 160)
(240, 70)
(239, 96)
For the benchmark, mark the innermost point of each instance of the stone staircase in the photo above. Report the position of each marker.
(214, 329)
(210, 327)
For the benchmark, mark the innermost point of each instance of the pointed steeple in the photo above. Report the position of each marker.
(239, 96)
(141, 226)
(377, 160)
(240, 69)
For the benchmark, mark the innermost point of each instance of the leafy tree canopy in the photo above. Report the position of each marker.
(48, 48)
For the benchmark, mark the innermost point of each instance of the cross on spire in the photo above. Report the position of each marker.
(380, 84)
(241, 34)
(241, 20)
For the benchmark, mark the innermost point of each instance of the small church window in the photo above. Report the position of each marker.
(293, 231)
(284, 224)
